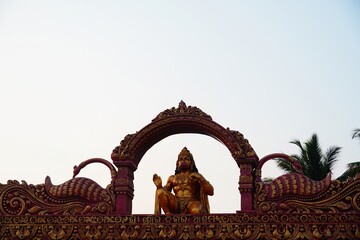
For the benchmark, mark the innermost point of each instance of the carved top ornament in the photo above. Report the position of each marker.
(182, 109)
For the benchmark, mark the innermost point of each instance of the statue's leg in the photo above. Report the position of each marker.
(195, 207)
(167, 201)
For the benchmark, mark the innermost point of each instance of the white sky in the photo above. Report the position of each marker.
(77, 76)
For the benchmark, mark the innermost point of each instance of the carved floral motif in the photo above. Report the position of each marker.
(215, 226)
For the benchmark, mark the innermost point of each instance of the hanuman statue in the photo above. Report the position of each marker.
(190, 189)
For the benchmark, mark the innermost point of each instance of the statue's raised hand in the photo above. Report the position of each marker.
(157, 181)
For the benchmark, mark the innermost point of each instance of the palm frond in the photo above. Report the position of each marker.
(314, 163)
(303, 157)
(356, 133)
(297, 143)
(285, 165)
(353, 169)
(314, 156)
(331, 156)
(354, 165)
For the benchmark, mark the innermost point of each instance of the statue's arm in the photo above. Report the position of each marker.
(208, 188)
(205, 184)
(169, 183)
(158, 182)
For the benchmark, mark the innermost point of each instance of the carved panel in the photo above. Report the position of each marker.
(77, 196)
(290, 207)
(311, 196)
(215, 226)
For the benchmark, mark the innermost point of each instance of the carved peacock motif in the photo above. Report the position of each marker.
(295, 184)
(81, 187)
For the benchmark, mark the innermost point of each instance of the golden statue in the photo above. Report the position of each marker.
(190, 188)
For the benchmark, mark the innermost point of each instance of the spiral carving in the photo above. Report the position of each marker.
(16, 205)
(15, 198)
(356, 202)
(264, 207)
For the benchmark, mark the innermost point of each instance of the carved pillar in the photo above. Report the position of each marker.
(246, 186)
(124, 186)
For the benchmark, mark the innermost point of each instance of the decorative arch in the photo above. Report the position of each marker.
(183, 119)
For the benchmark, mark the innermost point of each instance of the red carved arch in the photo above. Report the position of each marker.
(183, 119)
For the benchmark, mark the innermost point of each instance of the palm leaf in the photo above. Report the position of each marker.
(356, 133)
(284, 165)
(353, 169)
(314, 156)
(330, 157)
(314, 163)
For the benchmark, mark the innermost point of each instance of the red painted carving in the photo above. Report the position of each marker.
(290, 207)
(64, 199)
(295, 192)
(295, 184)
(75, 196)
(111, 167)
(184, 119)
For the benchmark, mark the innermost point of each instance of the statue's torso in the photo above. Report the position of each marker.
(183, 187)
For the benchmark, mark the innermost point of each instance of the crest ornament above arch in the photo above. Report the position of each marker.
(182, 109)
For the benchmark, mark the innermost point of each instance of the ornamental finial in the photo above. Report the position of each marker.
(182, 104)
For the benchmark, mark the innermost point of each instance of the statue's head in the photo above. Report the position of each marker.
(185, 161)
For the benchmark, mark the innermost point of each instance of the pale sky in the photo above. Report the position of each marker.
(77, 76)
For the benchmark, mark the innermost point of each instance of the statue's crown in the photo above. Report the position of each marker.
(184, 151)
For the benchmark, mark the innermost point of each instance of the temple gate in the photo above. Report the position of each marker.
(183, 119)
(290, 207)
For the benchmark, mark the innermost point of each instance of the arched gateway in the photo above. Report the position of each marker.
(184, 119)
(291, 206)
